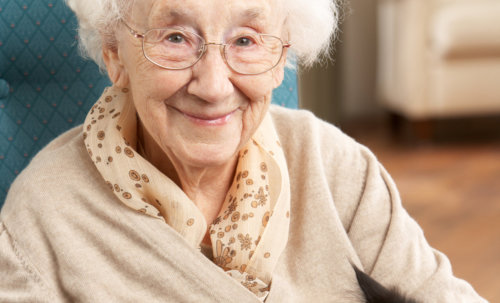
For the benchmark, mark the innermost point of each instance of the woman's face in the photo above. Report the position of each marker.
(202, 115)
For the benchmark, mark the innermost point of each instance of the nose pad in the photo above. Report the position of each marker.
(211, 76)
(203, 50)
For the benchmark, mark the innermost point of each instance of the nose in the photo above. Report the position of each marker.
(211, 77)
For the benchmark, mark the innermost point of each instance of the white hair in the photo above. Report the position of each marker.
(311, 26)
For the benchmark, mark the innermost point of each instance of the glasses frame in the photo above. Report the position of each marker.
(203, 49)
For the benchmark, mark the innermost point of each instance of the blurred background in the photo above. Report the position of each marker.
(418, 82)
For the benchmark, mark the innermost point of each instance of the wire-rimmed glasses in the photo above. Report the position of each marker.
(176, 49)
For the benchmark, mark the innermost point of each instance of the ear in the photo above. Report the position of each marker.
(116, 70)
(279, 70)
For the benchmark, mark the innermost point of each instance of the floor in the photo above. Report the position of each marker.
(451, 186)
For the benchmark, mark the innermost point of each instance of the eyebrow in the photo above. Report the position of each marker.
(254, 14)
(171, 15)
(177, 13)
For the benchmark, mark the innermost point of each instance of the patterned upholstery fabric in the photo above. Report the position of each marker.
(46, 87)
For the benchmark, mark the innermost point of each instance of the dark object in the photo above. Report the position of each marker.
(376, 293)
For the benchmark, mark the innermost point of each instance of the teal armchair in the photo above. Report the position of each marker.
(46, 87)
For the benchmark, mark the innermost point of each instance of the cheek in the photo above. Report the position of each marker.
(256, 88)
(146, 79)
(150, 91)
(151, 88)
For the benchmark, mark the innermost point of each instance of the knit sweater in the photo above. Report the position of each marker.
(65, 237)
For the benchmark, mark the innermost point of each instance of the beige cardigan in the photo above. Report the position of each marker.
(64, 236)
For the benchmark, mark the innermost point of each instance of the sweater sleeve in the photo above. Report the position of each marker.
(18, 280)
(392, 247)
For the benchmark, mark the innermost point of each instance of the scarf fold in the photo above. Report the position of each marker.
(251, 230)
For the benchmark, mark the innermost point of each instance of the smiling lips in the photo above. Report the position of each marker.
(206, 120)
(209, 121)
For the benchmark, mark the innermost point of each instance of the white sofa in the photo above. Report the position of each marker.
(439, 58)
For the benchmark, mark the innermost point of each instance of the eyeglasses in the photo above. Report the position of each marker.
(176, 49)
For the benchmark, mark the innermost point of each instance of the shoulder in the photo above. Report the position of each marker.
(62, 157)
(60, 169)
(325, 162)
(46, 199)
(66, 148)
(303, 134)
(303, 125)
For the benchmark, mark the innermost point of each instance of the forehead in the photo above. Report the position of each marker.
(211, 12)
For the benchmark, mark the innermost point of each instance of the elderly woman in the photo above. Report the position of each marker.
(185, 185)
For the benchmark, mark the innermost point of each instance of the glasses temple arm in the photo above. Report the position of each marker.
(131, 30)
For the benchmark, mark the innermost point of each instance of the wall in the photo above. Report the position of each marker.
(317, 92)
(345, 89)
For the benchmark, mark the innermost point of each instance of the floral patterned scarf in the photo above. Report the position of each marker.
(251, 230)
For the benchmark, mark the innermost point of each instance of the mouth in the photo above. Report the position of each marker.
(207, 120)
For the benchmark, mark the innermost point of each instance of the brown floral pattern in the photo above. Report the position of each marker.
(245, 241)
(222, 256)
(248, 204)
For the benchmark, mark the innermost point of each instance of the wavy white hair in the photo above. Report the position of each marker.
(311, 26)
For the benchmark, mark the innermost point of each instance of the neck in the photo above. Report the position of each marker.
(206, 187)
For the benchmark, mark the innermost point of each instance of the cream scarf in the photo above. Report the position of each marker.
(251, 230)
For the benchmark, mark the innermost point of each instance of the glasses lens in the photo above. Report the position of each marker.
(172, 48)
(254, 53)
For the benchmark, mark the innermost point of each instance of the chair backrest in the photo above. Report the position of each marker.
(46, 87)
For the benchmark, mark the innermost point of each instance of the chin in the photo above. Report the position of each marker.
(209, 156)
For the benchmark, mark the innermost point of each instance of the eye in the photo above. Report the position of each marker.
(176, 38)
(243, 41)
